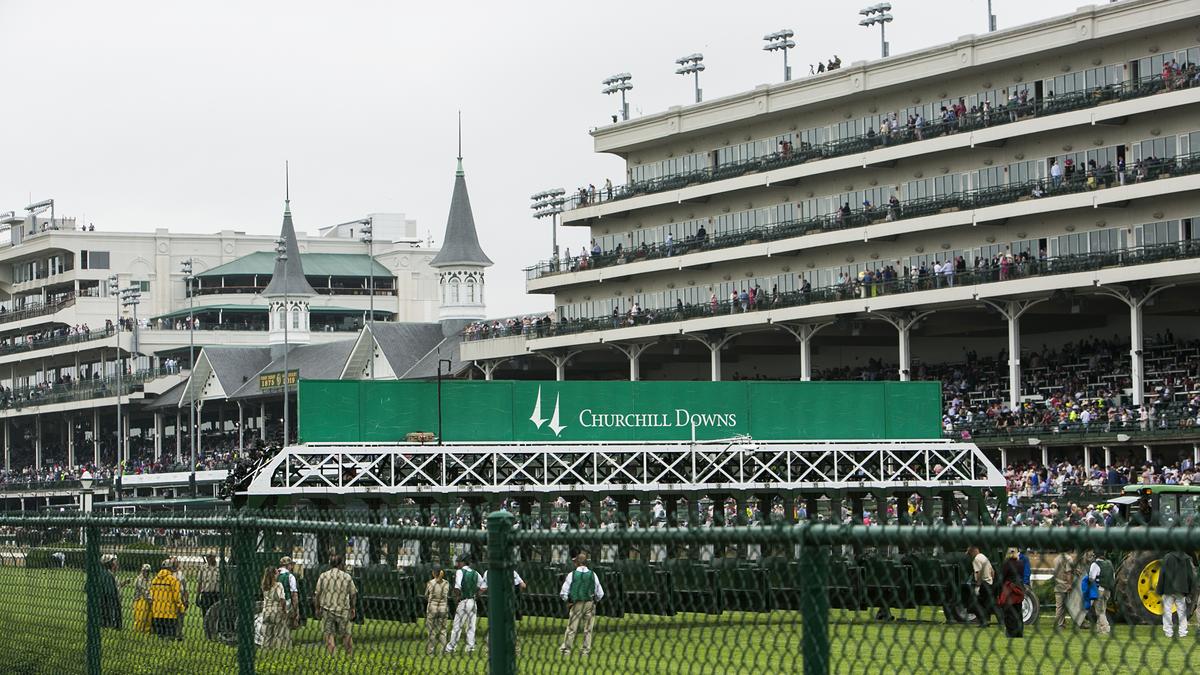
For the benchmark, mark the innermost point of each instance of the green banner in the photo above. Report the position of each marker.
(531, 410)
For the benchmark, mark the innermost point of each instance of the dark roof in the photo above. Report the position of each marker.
(262, 263)
(288, 277)
(460, 246)
(234, 366)
(403, 344)
(169, 398)
(315, 362)
(426, 365)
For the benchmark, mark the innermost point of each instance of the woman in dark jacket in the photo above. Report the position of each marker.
(1012, 594)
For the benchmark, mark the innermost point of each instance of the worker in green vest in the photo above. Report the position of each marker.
(581, 590)
(1104, 579)
(468, 584)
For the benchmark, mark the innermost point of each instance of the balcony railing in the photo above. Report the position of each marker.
(1081, 181)
(39, 310)
(998, 115)
(865, 287)
(46, 343)
(77, 390)
(256, 290)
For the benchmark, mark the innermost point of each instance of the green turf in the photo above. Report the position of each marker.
(42, 613)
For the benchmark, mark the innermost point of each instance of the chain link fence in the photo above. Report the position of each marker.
(276, 593)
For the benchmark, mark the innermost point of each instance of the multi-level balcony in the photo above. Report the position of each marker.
(857, 145)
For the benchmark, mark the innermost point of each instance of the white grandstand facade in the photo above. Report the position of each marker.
(969, 212)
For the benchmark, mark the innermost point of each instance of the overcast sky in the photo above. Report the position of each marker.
(137, 115)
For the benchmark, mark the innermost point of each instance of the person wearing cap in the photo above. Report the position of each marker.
(166, 602)
(437, 598)
(581, 590)
(208, 588)
(468, 584)
(291, 591)
(141, 600)
(1104, 581)
(110, 595)
(184, 597)
(334, 599)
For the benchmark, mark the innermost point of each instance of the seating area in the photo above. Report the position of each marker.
(884, 281)
(951, 122)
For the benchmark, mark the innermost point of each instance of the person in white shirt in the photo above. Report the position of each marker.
(581, 590)
(468, 584)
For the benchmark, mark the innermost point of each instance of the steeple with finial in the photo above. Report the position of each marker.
(461, 261)
(288, 292)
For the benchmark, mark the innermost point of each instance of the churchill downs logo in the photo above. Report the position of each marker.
(589, 418)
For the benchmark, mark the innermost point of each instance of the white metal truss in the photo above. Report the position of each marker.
(541, 468)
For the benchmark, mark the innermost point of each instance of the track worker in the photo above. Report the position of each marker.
(166, 602)
(581, 590)
(110, 593)
(1064, 582)
(1104, 580)
(437, 599)
(1176, 583)
(984, 576)
(142, 600)
(468, 584)
(1012, 593)
(334, 598)
(286, 575)
(208, 588)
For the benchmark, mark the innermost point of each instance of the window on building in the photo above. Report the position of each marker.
(143, 286)
(454, 291)
(93, 260)
(296, 318)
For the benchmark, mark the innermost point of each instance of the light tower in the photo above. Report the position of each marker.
(691, 65)
(878, 14)
(619, 83)
(781, 41)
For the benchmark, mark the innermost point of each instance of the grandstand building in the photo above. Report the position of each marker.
(968, 212)
(62, 347)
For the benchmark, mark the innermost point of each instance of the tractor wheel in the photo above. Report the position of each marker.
(1031, 607)
(1137, 579)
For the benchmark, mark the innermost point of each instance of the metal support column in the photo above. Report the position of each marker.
(634, 353)
(7, 445)
(903, 322)
(37, 441)
(804, 334)
(178, 437)
(159, 430)
(262, 420)
(1135, 299)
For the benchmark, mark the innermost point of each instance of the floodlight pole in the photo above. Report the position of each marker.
(281, 251)
(368, 238)
(189, 281)
(114, 288)
(449, 365)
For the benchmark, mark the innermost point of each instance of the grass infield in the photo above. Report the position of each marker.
(43, 616)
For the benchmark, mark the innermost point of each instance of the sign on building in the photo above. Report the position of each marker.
(274, 381)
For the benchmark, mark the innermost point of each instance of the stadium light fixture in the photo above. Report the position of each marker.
(282, 256)
(189, 280)
(991, 18)
(548, 204)
(114, 290)
(781, 41)
(691, 65)
(368, 237)
(878, 14)
(619, 83)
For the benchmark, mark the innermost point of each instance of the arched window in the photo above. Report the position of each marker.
(454, 291)
(296, 317)
(279, 319)
(470, 290)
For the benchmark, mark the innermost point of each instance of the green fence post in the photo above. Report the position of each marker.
(502, 630)
(814, 608)
(92, 584)
(244, 591)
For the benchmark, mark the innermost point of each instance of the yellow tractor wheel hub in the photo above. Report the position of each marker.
(1147, 587)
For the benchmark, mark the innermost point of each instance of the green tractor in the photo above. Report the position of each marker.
(1135, 599)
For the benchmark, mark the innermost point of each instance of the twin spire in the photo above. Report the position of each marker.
(460, 246)
(288, 277)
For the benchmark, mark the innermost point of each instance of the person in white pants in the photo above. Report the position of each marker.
(1176, 583)
(468, 584)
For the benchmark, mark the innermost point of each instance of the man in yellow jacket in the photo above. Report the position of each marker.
(166, 603)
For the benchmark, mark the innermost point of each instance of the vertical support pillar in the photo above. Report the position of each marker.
(544, 512)
(1045, 456)
(634, 353)
(573, 512)
(502, 638)
(92, 584)
(262, 421)
(814, 608)
(905, 354)
(7, 445)
(1087, 458)
(1195, 454)
(95, 437)
(178, 437)
(444, 545)
(715, 361)
(159, 429)
(244, 546)
(241, 427)
(1107, 456)
(1003, 458)
(1149, 455)
(1014, 358)
(804, 334)
(70, 440)
(1137, 364)
(37, 441)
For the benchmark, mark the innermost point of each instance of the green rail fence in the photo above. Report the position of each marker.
(809, 598)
